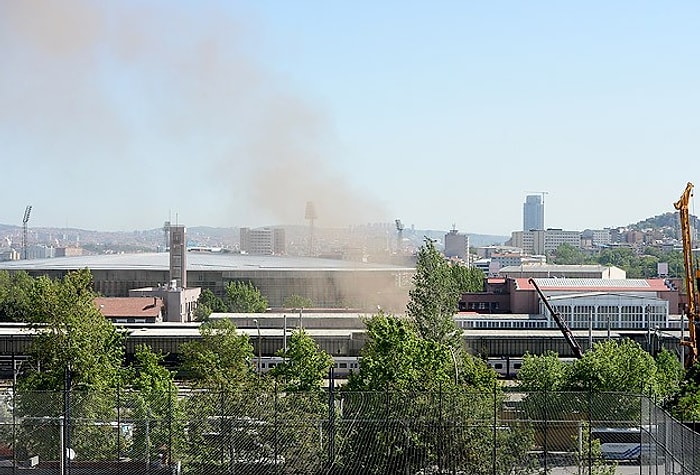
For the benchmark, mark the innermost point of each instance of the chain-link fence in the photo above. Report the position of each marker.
(341, 432)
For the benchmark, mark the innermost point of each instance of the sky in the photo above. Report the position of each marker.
(120, 115)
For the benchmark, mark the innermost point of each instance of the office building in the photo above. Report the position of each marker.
(263, 241)
(533, 213)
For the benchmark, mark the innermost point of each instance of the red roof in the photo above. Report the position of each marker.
(112, 307)
(594, 285)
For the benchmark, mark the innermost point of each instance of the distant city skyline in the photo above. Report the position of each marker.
(118, 116)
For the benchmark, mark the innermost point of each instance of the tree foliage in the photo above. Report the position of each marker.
(214, 303)
(566, 254)
(75, 349)
(297, 301)
(72, 334)
(636, 265)
(543, 373)
(151, 399)
(434, 297)
(612, 365)
(396, 357)
(685, 404)
(221, 359)
(15, 296)
(467, 279)
(410, 385)
(243, 297)
(305, 365)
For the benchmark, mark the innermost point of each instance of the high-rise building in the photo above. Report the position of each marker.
(533, 213)
(263, 241)
(457, 245)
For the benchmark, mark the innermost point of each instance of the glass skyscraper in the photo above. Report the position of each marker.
(533, 213)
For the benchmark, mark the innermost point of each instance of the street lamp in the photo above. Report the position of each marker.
(257, 326)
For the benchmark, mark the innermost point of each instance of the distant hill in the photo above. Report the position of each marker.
(666, 220)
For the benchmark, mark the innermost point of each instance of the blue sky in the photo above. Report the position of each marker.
(119, 115)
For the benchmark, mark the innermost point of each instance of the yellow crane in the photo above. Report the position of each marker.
(691, 285)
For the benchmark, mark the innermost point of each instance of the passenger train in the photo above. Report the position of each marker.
(505, 367)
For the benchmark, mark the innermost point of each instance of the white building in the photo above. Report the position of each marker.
(543, 241)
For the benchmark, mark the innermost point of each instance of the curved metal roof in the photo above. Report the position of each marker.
(197, 261)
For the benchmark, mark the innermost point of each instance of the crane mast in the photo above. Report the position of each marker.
(565, 330)
(690, 285)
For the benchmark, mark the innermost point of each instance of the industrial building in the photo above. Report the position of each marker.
(327, 282)
(582, 303)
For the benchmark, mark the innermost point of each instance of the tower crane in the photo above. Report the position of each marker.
(539, 193)
(691, 285)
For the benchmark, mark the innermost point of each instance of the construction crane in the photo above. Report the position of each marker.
(691, 286)
(565, 330)
(539, 193)
(25, 220)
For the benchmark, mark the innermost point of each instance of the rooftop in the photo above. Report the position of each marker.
(588, 285)
(196, 261)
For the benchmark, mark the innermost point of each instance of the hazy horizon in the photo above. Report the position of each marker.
(122, 115)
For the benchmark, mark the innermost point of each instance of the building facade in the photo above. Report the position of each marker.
(541, 241)
(533, 213)
(263, 241)
(457, 245)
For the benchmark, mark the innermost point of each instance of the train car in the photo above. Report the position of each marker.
(342, 365)
(508, 367)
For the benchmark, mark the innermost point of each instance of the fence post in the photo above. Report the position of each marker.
(14, 417)
(495, 428)
(119, 422)
(440, 419)
(276, 429)
(331, 418)
(590, 426)
(641, 419)
(65, 447)
(544, 431)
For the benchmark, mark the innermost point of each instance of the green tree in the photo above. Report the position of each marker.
(73, 334)
(395, 356)
(297, 301)
(202, 313)
(543, 373)
(301, 378)
(685, 404)
(243, 297)
(15, 296)
(568, 254)
(220, 359)
(616, 365)
(669, 374)
(75, 349)
(434, 297)
(406, 387)
(214, 303)
(231, 415)
(152, 404)
(467, 279)
(305, 365)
